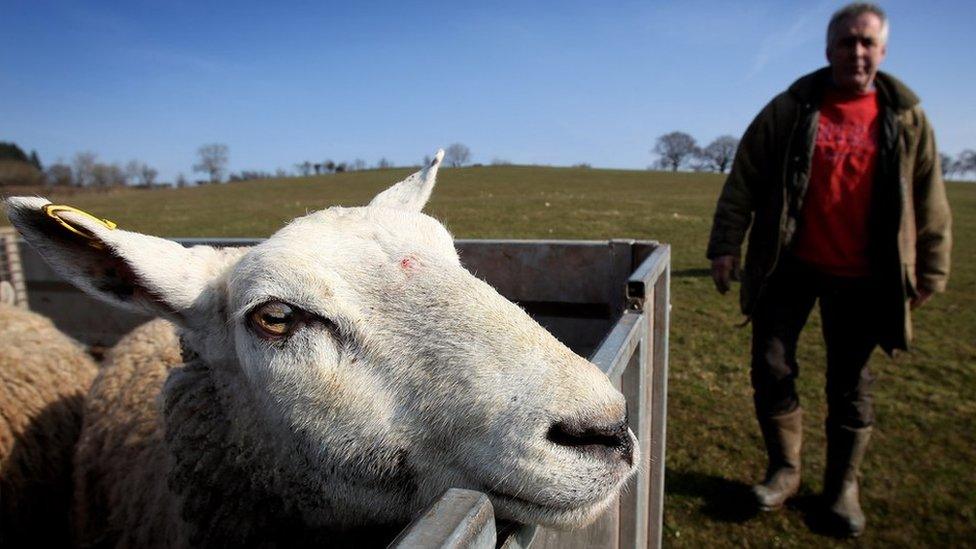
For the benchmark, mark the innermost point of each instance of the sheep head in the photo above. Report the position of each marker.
(357, 334)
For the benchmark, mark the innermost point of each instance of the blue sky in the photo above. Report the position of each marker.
(529, 82)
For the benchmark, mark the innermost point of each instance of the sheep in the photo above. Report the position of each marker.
(332, 382)
(122, 428)
(44, 376)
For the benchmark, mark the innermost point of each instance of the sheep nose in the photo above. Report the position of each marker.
(604, 441)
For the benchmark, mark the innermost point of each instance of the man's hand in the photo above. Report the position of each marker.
(725, 268)
(922, 297)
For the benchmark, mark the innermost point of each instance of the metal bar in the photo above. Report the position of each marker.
(659, 396)
(652, 267)
(459, 519)
(615, 351)
(645, 275)
(634, 385)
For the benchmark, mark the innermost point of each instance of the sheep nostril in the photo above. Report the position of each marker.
(593, 439)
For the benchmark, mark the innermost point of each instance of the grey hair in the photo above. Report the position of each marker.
(853, 10)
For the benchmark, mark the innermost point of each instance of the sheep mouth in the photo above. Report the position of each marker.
(563, 505)
(529, 503)
(606, 471)
(557, 514)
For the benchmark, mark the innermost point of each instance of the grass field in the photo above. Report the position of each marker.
(919, 486)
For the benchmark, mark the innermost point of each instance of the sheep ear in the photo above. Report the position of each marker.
(131, 270)
(413, 192)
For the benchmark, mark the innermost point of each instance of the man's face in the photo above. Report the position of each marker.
(856, 52)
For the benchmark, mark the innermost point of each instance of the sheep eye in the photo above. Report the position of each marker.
(274, 319)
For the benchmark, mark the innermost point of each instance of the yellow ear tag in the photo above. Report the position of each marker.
(54, 210)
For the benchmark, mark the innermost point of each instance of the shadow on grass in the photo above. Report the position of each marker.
(731, 501)
(816, 517)
(725, 500)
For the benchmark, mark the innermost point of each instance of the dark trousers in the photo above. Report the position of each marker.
(848, 309)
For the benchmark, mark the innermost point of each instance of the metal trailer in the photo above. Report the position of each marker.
(607, 300)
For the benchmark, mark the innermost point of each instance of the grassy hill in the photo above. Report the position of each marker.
(919, 486)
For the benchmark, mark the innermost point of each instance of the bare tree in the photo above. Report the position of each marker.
(140, 173)
(84, 166)
(181, 181)
(213, 161)
(148, 175)
(947, 164)
(108, 175)
(383, 164)
(675, 149)
(965, 162)
(59, 175)
(330, 166)
(718, 155)
(132, 170)
(305, 168)
(457, 155)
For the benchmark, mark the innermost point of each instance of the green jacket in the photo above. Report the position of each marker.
(910, 219)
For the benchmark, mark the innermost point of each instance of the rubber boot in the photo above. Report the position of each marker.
(845, 451)
(783, 436)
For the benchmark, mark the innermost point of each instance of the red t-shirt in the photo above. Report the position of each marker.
(833, 230)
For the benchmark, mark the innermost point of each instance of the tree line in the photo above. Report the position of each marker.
(86, 170)
(455, 156)
(675, 151)
(960, 166)
(679, 150)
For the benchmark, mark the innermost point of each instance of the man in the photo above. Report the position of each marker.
(839, 179)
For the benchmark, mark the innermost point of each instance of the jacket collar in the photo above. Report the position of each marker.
(891, 91)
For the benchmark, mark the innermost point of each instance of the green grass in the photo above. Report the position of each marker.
(918, 487)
